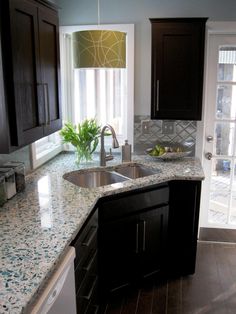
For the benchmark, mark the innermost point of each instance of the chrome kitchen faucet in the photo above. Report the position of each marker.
(115, 144)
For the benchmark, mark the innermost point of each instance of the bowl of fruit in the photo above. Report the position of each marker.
(165, 152)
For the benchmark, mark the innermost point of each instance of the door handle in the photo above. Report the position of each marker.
(208, 155)
(209, 139)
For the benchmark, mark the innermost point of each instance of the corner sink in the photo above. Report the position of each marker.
(134, 171)
(93, 178)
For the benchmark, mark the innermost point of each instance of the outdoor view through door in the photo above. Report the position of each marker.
(221, 125)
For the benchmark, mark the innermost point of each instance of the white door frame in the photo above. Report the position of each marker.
(212, 28)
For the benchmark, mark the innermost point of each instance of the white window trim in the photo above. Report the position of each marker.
(129, 29)
(46, 154)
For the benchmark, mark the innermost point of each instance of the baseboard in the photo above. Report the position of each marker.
(217, 235)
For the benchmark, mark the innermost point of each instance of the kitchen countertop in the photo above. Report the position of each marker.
(37, 225)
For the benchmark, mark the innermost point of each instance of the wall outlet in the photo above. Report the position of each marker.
(168, 127)
(145, 126)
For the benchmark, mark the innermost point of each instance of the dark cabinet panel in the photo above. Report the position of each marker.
(183, 226)
(154, 227)
(118, 247)
(30, 62)
(177, 68)
(26, 74)
(49, 54)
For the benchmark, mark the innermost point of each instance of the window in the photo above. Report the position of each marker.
(106, 94)
(45, 149)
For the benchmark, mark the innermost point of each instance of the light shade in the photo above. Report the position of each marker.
(99, 49)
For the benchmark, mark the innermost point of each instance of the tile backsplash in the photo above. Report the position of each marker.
(184, 132)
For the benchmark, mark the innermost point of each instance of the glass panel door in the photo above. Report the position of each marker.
(221, 124)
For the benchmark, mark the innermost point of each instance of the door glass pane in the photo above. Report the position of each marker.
(224, 135)
(220, 177)
(226, 64)
(218, 207)
(226, 102)
(220, 191)
(233, 209)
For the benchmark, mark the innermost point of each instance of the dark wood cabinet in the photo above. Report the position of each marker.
(132, 237)
(177, 68)
(183, 226)
(30, 66)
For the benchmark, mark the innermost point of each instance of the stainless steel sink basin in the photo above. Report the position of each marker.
(93, 178)
(134, 171)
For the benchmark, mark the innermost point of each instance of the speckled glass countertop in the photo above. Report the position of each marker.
(37, 225)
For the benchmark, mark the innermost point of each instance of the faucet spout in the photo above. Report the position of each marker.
(115, 144)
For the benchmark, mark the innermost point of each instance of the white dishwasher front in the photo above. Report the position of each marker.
(59, 294)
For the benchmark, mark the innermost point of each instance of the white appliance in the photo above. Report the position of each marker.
(59, 294)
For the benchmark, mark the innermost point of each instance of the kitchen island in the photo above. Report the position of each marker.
(37, 225)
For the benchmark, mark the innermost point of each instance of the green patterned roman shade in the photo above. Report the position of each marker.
(99, 49)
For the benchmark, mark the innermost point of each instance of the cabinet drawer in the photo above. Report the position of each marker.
(86, 240)
(82, 247)
(111, 209)
(87, 295)
(87, 266)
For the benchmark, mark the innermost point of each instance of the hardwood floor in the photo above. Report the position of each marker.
(211, 290)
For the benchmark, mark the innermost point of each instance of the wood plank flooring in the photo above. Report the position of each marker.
(211, 290)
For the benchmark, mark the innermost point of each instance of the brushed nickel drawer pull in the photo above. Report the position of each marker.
(89, 236)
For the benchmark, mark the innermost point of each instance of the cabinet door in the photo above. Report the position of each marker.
(25, 90)
(153, 241)
(117, 251)
(49, 62)
(177, 68)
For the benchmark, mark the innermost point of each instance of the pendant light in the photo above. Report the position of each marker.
(99, 48)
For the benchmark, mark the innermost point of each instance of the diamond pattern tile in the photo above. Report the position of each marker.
(185, 131)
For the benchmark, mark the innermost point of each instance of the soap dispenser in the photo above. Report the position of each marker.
(126, 152)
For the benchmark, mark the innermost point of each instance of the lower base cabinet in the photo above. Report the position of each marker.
(134, 235)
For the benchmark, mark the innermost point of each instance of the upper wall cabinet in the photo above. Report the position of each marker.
(29, 84)
(177, 68)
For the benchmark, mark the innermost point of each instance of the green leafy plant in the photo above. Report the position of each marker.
(84, 137)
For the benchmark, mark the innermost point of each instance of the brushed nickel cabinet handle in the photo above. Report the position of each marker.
(157, 95)
(89, 236)
(91, 290)
(89, 261)
(137, 237)
(46, 104)
(41, 104)
(144, 235)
